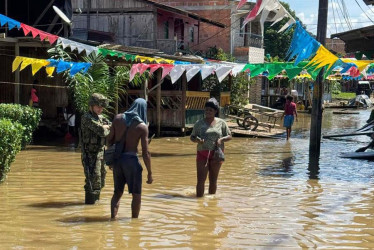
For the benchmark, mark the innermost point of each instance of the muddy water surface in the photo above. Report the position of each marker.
(265, 198)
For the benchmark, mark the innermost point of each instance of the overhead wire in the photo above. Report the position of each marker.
(346, 13)
(333, 13)
(364, 11)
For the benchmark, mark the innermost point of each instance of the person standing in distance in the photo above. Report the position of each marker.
(289, 115)
(209, 133)
(128, 129)
(95, 128)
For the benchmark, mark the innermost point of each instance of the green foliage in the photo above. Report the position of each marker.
(344, 95)
(239, 89)
(336, 88)
(277, 44)
(100, 78)
(218, 54)
(11, 135)
(27, 116)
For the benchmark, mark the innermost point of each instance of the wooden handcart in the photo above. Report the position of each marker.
(251, 119)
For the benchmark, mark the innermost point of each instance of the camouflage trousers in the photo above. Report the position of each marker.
(94, 170)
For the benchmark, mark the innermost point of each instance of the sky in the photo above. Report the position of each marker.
(307, 12)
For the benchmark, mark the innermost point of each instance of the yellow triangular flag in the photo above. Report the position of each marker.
(50, 71)
(17, 61)
(37, 65)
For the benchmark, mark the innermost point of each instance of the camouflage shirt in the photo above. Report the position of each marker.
(93, 132)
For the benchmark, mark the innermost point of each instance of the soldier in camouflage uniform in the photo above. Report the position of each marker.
(94, 128)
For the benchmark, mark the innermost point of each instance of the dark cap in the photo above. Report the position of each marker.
(98, 100)
(212, 103)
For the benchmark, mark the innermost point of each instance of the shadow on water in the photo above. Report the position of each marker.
(85, 219)
(280, 170)
(174, 196)
(56, 204)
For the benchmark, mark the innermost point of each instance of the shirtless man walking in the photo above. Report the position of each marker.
(127, 170)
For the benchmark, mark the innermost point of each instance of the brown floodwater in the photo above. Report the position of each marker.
(265, 198)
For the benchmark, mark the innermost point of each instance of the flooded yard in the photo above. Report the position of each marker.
(265, 198)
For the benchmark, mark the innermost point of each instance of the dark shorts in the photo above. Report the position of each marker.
(128, 170)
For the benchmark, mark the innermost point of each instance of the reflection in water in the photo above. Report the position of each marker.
(266, 198)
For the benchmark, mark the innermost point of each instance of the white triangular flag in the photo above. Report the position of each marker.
(291, 21)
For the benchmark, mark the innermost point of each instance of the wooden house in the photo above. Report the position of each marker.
(140, 23)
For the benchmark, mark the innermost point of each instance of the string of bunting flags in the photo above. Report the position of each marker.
(76, 46)
(50, 65)
(303, 47)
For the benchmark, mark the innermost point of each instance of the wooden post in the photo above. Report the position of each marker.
(158, 102)
(183, 105)
(316, 123)
(145, 88)
(17, 78)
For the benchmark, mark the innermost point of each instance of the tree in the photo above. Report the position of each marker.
(277, 44)
(100, 78)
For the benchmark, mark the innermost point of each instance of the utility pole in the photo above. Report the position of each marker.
(316, 123)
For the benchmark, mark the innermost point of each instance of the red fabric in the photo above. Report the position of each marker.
(241, 3)
(253, 12)
(354, 72)
(34, 97)
(35, 32)
(290, 108)
(204, 154)
(166, 70)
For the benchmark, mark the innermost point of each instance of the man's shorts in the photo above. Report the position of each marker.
(127, 170)
(288, 121)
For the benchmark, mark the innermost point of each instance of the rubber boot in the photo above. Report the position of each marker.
(91, 198)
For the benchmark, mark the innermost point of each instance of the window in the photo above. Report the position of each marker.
(192, 34)
(166, 29)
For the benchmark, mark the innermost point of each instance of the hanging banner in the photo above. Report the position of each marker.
(11, 23)
(194, 70)
(126, 56)
(241, 4)
(177, 72)
(254, 12)
(323, 58)
(36, 64)
(302, 45)
(50, 64)
(80, 47)
(35, 32)
(154, 60)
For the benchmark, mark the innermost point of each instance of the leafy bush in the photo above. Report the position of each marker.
(239, 89)
(336, 88)
(27, 116)
(11, 134)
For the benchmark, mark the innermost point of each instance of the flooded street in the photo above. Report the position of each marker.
(265, 198)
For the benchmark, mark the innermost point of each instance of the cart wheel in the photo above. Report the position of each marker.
(238, 121)
(250, 123)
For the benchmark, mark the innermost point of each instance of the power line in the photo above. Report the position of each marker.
(364, 11)
(333, 13)
(346, 13)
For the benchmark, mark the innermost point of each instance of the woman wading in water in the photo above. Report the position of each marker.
(209, 133)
